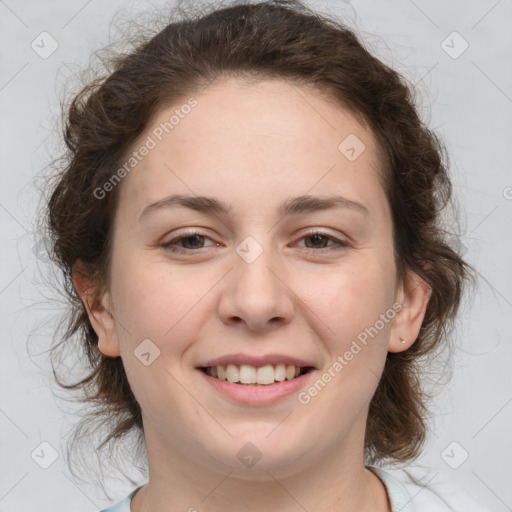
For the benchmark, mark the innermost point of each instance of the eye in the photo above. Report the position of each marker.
(191, 242)
(319, 240)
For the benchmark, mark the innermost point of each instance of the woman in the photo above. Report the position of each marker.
(249, 226)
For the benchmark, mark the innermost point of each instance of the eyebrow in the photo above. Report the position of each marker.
(292, 206)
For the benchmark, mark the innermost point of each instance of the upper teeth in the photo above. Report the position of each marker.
(247, 374)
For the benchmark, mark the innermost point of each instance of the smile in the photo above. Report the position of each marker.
(255, 375)
(263, 387)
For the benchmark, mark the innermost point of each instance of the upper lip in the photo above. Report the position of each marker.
(253, 360)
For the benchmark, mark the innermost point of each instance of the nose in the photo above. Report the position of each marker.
(255, 294)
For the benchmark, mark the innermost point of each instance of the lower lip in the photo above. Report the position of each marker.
(249, 394)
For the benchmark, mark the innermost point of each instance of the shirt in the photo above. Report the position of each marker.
(400, 499)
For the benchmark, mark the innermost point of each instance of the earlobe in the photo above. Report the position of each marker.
(98, 310)
(414, 295)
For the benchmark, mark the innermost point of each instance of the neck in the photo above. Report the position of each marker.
(336, 482)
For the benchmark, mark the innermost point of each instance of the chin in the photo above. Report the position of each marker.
(251, 456)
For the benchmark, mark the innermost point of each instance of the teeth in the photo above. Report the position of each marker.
(280, 372)
(247, 374)
(232, 373)
(265, 374)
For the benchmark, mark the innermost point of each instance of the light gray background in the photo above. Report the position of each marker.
(468, 100)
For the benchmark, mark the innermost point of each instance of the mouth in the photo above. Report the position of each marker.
(248, 375)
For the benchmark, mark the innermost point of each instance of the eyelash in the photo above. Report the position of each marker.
(170, 246)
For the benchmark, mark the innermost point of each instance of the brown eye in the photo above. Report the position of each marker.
(317, 240)
(189, 243)
(193, 241)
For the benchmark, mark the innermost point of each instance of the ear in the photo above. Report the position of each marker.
(413, 294)
(98, 309)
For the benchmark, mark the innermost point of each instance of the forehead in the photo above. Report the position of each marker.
(237, 139)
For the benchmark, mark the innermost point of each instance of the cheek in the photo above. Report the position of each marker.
(156, 303)
(353, 298)
(354, 309)
(153, 300)
(355, 314)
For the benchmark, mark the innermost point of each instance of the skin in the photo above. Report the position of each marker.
(253, 146)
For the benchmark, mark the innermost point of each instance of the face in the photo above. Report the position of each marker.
(254, 276)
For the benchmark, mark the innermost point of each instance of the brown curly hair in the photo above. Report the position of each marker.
(271, 39)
